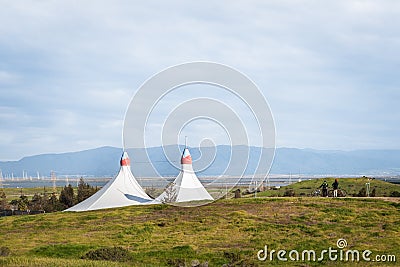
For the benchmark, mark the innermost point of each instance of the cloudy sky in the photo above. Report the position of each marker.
(68, 69)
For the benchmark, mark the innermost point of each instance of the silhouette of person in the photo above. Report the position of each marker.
(335, 186)
(324, 187)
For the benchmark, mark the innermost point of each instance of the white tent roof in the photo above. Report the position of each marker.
(186, 186)
(121, 191)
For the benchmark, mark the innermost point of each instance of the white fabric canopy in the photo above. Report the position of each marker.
(122, 190)
(186, 186)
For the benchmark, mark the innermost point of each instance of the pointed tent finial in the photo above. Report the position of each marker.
(185, 141)
(186, 157)
(125, 159)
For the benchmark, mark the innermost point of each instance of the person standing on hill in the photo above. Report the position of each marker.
(335, 186)
(324, 187)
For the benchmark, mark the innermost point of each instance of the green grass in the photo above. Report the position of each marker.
(37, 261)
(350, 185)
(15, 193)
(61, 250)
(304, 188)
(225, 232)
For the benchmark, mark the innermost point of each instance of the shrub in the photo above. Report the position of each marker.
(4, 251)
(232, 257)
(109, 254)
(176, 262)
(170, 193)
(289, 193)
(237, 193)
(67, 196)
(395, 194)
(84, 190)
(161, 224)
(362, 192)
(373, 193)
(151, 191)
(3, 200)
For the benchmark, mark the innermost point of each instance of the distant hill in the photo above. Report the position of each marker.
(104, 162)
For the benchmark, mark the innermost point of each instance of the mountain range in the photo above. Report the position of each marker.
(208, 161)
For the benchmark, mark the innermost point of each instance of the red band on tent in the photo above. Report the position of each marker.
(186, 160)
(125, 162)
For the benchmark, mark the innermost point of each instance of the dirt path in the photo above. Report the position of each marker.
(390, 199)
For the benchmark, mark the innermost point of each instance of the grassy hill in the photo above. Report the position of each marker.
(352, 186)
(229, 232)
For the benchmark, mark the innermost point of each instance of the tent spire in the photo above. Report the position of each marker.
(186, 157)
(186, 186)
(185, 141)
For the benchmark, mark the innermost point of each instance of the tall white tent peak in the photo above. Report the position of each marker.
(186, 186)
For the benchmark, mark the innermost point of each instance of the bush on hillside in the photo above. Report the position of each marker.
(289, 193)
(395, 194)
(152, 192)
(373, 193)
(4, 251)
(362, 193)
(3, 200)
(176, 262)
(232, 257)
(109, 254)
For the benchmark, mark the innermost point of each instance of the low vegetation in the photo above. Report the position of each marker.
(44, 201)
(352, 186)
(228, 232)
(109, 254)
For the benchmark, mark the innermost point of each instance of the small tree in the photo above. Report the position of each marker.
(67, 196)
(53, 204)
(395, 194)
(289, 193)
(373, 193)
(14, 204)
(362, 192)
(170, 193)
(36, 203)
(237, 193)
(84, 190)
(23, 203)
(151, 191)
(3, 200)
